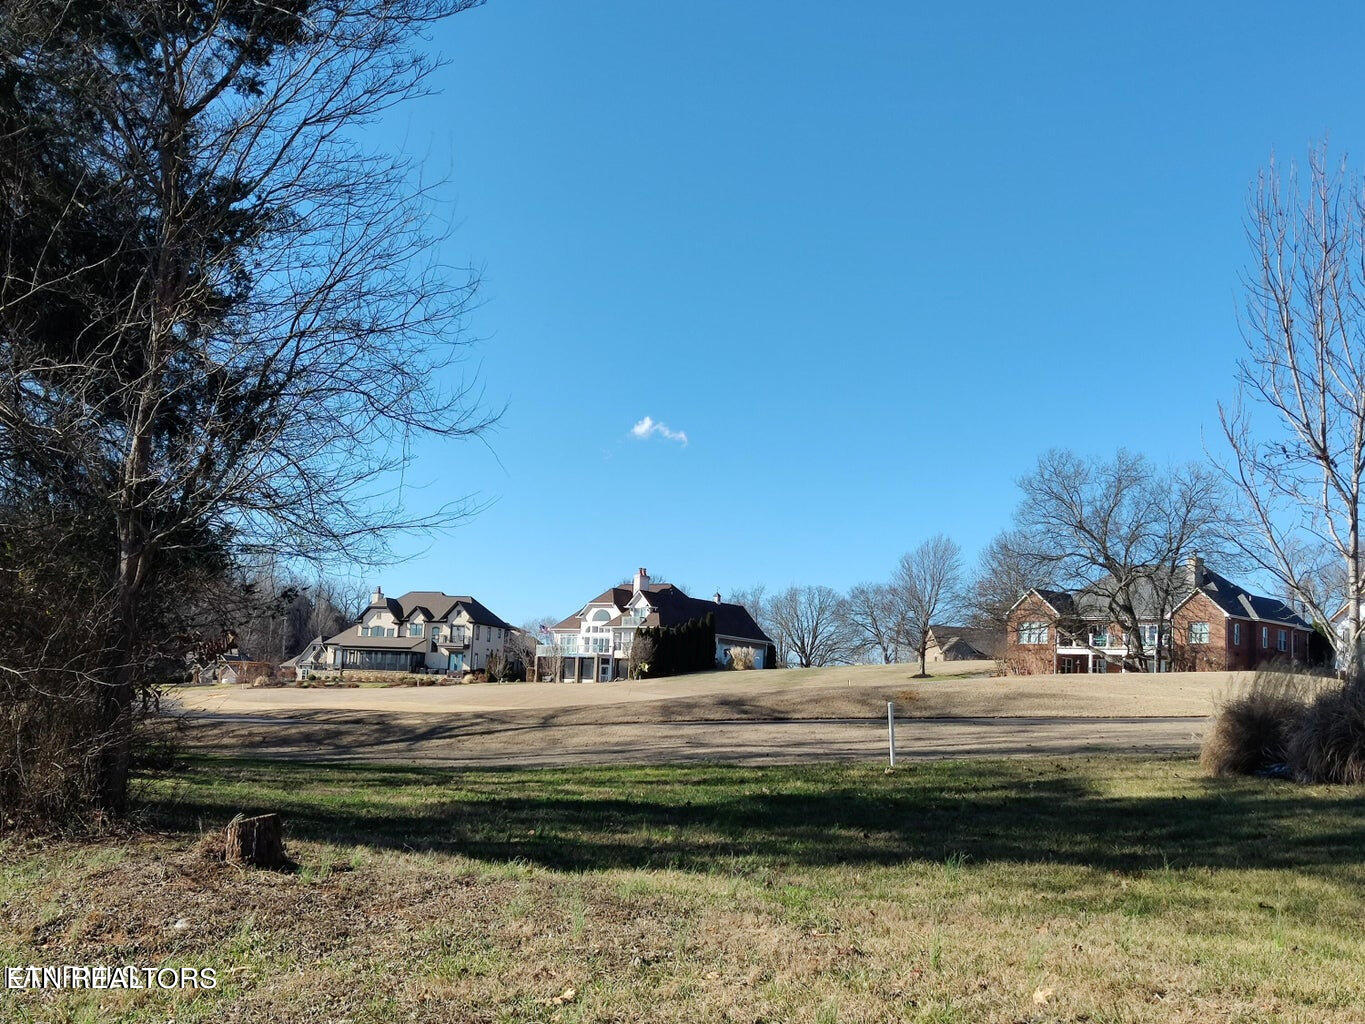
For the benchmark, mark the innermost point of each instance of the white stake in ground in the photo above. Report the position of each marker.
(891, 731)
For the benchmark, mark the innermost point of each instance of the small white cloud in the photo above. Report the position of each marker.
(648, 428)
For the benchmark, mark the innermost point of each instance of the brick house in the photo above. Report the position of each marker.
(1213, 624)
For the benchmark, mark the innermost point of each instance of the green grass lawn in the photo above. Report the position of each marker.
(1096, 889)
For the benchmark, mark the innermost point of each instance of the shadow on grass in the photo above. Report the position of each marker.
(719, 817)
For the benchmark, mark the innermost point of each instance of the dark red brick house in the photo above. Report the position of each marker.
(1213, 624)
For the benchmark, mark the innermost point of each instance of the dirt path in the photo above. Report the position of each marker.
(519, 740)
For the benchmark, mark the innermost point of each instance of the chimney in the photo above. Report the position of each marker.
(378, 596)
(717, 597)
(1196, 565)
(641, 579)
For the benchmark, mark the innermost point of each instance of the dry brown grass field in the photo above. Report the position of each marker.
(958, 689)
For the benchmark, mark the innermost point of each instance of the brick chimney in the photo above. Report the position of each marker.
(641, 580)
(1196, 565)
(377, 597)
(717, 597)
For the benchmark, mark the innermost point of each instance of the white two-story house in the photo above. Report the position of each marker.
(422, 631)
(594, 644)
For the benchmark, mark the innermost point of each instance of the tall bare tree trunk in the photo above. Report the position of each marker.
(121, 682)
(1354, 675)
(1305, 312)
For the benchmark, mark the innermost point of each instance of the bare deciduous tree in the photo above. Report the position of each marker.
(812, 624)
(535, 633)
(1004, 572)
(234, 327)
(642, 650)
(337, 603)
(1299, 471)
(521, 647)
(878, 621)
(1124, 530)
(928, 583)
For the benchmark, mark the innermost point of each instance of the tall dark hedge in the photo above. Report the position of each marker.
(687, 647)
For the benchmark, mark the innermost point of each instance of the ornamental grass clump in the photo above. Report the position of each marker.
(1253, 728)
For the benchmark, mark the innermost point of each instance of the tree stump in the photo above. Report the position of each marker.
(258, 842)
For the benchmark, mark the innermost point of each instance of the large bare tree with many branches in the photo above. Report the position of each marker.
(222, 323)
(1124, 529)
(1296, 432)
(928, 585)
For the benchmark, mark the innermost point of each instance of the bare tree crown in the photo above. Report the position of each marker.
(1296, 432)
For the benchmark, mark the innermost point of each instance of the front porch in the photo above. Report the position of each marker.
(1080, 660)
(367, 660)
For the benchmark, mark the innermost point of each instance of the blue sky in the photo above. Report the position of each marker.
(870, 258)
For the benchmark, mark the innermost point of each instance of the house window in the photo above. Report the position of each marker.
(1199, 632)
(1265, 636)
(1099, 639)
(1236, 633)
(1282, 641)
(1149, 636)
(391, 631)
(1033, 632)
(1101, 663)
(476, 632)
(415, 629)
(436, 632)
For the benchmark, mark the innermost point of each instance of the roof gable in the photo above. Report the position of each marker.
(437, 606)
(1147, 595)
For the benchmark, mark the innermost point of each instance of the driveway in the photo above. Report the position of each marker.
(522, 740)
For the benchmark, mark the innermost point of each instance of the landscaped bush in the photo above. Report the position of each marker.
(1311, 726)
(1329, 743)
(1253, 728)
(741, 658)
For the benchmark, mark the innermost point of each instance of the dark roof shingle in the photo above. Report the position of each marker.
(1092, 602)
(672, 607)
